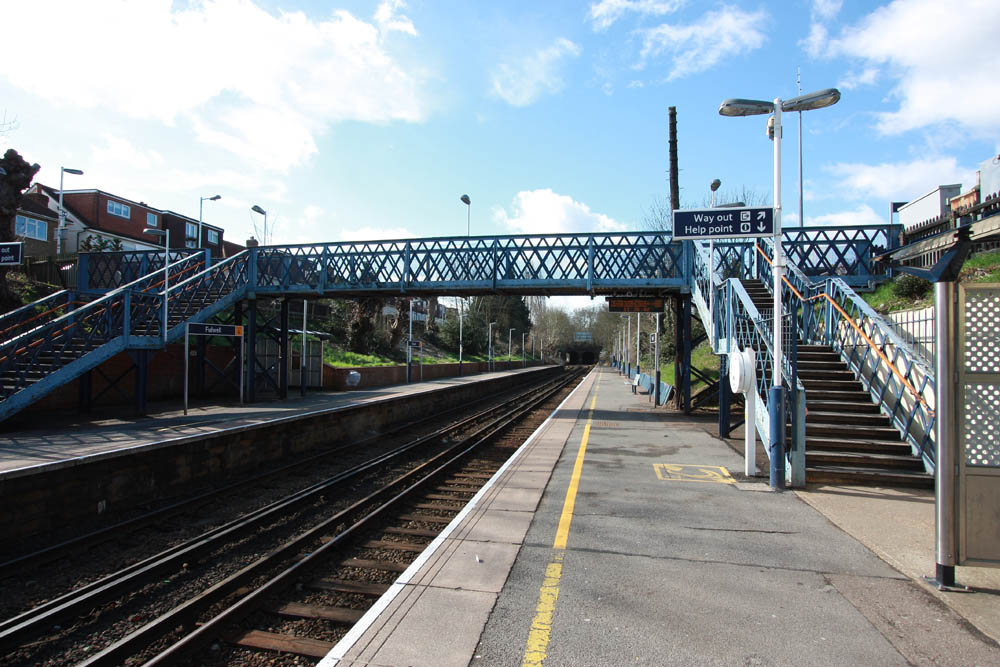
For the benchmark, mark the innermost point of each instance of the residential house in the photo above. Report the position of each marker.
(95, 218)
(35, 225)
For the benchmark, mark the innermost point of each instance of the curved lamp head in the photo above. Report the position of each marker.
(215, 198)
(740, 107)
(817, 100)
(465, 200)
(78, 172)
(715, 185)
(258, 209)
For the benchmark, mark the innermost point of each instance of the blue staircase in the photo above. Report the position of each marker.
(836, 348)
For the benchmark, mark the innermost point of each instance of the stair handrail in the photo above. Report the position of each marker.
(745, 327)
(30, 313)
(889, 369)
(881, 376)
(231, 275)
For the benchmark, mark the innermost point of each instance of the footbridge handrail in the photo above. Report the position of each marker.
(892, 372)
(736, 325)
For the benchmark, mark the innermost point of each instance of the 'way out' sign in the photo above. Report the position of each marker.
(723, 223)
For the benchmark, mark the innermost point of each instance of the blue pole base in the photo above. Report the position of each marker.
(776, 418)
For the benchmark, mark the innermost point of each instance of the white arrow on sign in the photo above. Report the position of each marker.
(761, 215)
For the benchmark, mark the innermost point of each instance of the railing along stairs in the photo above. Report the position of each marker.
(49, 342)
(829, 313)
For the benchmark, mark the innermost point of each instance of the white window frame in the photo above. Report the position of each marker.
(213, 237)
(28, 228)
(152, 220)
(119, 209)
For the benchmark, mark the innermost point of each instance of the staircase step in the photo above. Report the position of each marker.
(831, 444)
(849, 432)
(864, 460)
(866, 420)
(856, 407)
(860, 477)
(818, 394)
(826, 374)
(819, 384)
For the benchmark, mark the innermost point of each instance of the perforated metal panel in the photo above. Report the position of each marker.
(978, 426)
(982, 331)
(981, 426)
(979, 358)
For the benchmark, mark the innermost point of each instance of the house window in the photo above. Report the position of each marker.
(119, 209)
(213, 237)
(31, 228)
(151, 220)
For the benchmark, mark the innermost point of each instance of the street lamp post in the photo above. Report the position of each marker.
(165, 233)
(257, 209)
(490, 336)
(741, 107)
(523, 363)
(468, 214)
(201, 205)
(509, 332)
(62, 211)
(461, 302)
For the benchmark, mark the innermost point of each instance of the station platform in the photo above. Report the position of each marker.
(621, 535)
(54, 443)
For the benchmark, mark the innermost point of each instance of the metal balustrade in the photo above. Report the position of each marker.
(736, 324)
(841, 251)
(53, 340)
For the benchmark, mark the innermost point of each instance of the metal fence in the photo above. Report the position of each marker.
(916, 327)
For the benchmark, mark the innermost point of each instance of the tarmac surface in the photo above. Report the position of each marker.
(623, 536)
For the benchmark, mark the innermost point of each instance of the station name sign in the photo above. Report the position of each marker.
(11, 254)
(635, 304)
(202, 329)
(723, 223)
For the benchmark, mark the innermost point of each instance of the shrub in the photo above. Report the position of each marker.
(910, 287)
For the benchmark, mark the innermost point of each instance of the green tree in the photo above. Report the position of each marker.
(13, 183)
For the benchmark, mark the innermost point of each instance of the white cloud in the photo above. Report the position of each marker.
(938, 53)
(815, 44)
(898, 181)
(388, 19)
(546, 212)
(826, 9)
(271, 82)
(120, 152)
(866, 77)
(719, 34)
(604, 13)
(375, 234)
(862, 215)
(524, 80)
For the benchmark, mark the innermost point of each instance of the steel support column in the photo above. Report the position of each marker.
(141, 360)
(283, 352)
(685, 301)
(86, 392)
(725, 397)
(251, 359)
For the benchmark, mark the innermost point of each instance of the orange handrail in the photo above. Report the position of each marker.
(858, 329)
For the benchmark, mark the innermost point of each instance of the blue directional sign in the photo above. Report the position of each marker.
(723, 223)
(11, 254)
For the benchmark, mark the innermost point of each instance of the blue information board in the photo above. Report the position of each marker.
(723, 223)
(11, 254)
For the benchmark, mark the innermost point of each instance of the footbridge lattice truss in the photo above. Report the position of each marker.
(119, 303)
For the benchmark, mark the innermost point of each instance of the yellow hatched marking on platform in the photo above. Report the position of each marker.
(537, 646)
(677, 472)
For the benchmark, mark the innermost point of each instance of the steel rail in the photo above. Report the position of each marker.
(214, 627)
(109, 532)
(33, 621)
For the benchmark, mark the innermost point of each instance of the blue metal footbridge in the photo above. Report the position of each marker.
(119, 304)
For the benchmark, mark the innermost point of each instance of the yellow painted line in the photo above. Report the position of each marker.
(537, 646)
(684, 472)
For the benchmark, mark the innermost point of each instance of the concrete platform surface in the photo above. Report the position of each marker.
(624, 536)
(60, 441)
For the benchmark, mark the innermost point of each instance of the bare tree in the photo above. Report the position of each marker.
(15, 177)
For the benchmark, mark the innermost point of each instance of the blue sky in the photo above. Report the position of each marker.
(356, 119)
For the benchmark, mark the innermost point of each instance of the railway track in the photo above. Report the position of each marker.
(286, 560)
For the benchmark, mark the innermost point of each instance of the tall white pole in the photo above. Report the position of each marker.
(638, 326)
(461, 302)
(166, 283)
(779, 259)
(62, 215)
(798, 82)
(201, 207)
(628, 346)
